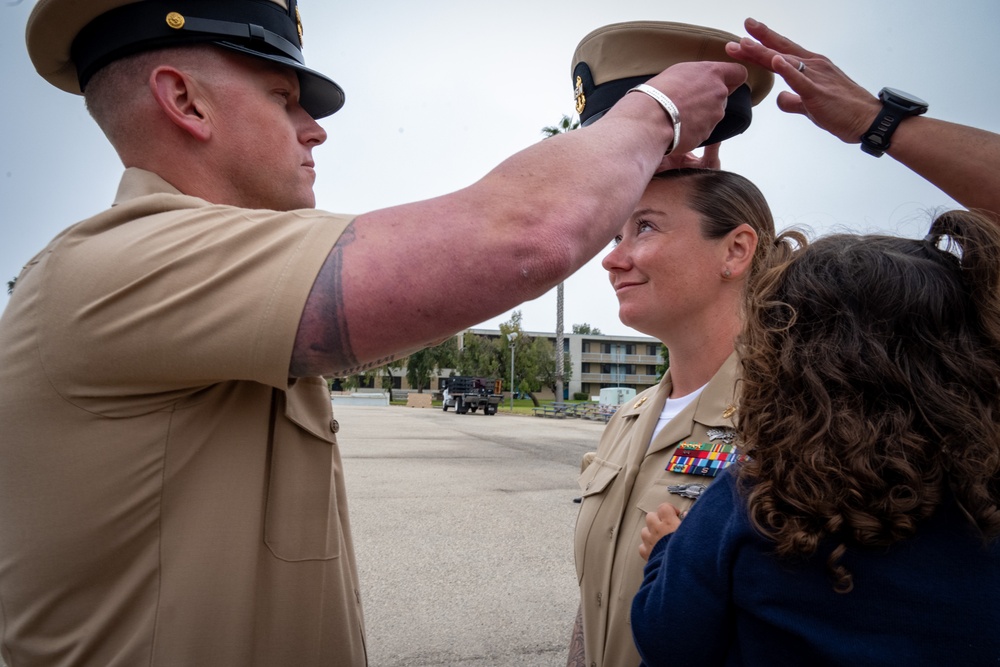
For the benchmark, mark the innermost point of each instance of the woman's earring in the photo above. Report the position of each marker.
(727, 273)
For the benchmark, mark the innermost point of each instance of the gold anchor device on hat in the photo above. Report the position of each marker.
(614, 59)
(69, 40)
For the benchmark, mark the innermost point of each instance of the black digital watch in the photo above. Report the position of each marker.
(896, 105)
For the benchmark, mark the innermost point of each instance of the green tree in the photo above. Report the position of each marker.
(10, 286)
(515, 342)
(661, 369)
(385, 373)
(483, 357)
(567, 124)
(421, 365)
(586, 329)
(352, 382)
(534, 358)
(381, 377)
(545, 356)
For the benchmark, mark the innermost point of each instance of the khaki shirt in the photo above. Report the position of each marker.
(167, 495)
(626, 480)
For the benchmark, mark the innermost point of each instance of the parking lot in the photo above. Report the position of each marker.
(463, 526)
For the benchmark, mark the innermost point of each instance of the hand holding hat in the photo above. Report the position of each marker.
(701, 92)
(613, 59)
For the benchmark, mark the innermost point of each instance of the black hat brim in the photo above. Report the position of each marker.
(318, 95)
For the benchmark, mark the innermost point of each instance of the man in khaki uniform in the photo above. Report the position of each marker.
(170, 485)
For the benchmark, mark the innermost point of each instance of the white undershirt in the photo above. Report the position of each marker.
(673, 406)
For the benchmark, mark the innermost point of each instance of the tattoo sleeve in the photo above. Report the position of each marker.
(576, 657)
(323, 344)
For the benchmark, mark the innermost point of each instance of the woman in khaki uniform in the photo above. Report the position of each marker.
(679, 269)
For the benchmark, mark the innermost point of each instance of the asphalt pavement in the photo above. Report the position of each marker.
(463, 527)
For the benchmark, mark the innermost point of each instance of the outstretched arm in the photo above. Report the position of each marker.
(402, 278)
(964, 162)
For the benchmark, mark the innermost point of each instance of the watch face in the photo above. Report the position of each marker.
(901, 98)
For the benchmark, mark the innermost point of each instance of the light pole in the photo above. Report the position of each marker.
(512, 339)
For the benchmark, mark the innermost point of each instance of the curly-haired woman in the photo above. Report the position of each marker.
(863, 529)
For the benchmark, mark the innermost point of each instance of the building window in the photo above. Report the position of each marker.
(618, 369)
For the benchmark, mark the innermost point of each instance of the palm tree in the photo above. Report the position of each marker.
(565, 125)
(10, 285)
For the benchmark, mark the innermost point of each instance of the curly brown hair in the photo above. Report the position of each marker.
(871, 389)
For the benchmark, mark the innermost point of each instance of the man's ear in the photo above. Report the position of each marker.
(740, 247)
(175, 93)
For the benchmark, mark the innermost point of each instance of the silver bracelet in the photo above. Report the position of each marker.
(672, 113)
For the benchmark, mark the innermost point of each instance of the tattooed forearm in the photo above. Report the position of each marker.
(364, 367)
(577, 658)
(323, 342)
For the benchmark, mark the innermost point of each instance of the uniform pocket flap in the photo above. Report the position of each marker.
(659, 493)
(597, 476)
(311, 409)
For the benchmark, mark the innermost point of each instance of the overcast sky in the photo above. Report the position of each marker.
(440, 91)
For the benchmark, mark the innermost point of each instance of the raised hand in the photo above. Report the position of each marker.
(823, 93)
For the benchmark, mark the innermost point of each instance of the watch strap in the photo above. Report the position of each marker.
(877, 139)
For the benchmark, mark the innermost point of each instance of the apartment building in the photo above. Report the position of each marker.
(598, 361)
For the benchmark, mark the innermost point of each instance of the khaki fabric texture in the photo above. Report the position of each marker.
(626, 480)
(167, 495)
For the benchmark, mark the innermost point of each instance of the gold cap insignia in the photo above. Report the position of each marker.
(581, 99)
(175, 20)
(298, 24)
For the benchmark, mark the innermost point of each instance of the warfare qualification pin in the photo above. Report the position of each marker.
(687, 490)
(726, 435)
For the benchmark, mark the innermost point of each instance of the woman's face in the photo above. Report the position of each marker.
(665, 273)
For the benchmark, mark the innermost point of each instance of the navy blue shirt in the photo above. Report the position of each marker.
(714, 594)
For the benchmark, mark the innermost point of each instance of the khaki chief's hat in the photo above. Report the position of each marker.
(611, 60)
(69, 40)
